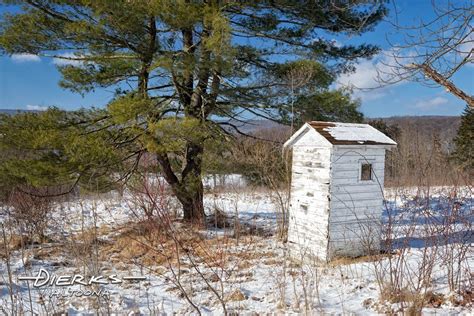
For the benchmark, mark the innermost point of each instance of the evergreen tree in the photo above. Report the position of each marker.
(50, 148)
(333, 106)
(464, 141)
(181, 66)
(393, 130)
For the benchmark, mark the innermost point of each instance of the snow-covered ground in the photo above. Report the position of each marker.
(250, 271)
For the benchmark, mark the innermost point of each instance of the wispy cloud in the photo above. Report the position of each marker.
(366, 80)
(466, 48)
(364, 76)
(430, 104)
(67, 59)
(36, 107)
(24, 58)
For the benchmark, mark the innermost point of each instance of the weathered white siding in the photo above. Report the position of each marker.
(356, 205)
(309, 204)
(333, 212)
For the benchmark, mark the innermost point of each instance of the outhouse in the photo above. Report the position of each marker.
(336, 198)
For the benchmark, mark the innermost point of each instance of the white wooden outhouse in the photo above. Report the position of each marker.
(336, 198)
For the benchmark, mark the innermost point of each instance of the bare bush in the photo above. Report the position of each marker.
(192, 259)
(31, 213)
(148, 196)
(263, 164)
(429, 236)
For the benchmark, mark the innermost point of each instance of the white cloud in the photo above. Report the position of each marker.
(431, 103)
(367, 79)
(23, 58)
(66, 59)
(36, 107)
(363, 78)
(466, 47)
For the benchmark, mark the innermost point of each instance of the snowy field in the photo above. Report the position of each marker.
(243, 266)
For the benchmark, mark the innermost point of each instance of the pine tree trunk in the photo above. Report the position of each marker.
(189, 190)
(191, 195)
(193, 206)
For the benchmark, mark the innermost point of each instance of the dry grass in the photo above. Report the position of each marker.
(14, 242)
(273, 262)
(253, 254)
(236, 296)
(415, 301)
(338, 261)
(152, 246)
(466, 298)
(47, 252)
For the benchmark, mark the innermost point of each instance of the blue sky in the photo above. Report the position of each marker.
(30, 82)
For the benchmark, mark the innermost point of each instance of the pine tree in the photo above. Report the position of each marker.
(50, 148)
(183, 68)
(333, 106)
(464, 141)
(391, 130)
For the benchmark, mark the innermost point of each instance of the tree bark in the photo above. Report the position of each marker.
(193, 206)
(439, 79)
(193, 190)
(189, 189)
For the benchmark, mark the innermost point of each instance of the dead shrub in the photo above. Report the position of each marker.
(427, 232)
(149, 198)
(219, 219)
(262, 164)
(415, 301)
(31, 214)
(14, 242)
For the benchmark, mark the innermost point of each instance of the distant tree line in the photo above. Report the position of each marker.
(425, 155)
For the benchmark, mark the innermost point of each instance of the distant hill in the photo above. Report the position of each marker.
(445, 126)
(425, 128)
(13, 112)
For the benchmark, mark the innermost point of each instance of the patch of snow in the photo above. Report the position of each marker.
(358, 132)
(261, 273)
(224, 180)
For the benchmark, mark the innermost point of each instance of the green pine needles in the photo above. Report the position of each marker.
(181, 70)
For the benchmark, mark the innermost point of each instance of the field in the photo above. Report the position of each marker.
(238, 264)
